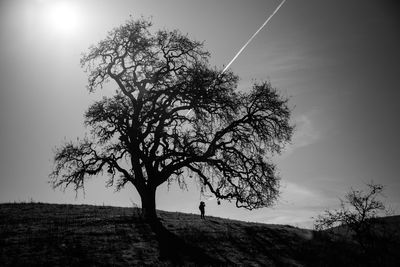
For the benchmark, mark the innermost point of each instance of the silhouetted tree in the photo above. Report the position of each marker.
(358, 213)
(173, 117)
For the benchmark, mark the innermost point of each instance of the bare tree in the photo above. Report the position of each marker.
(173, 117)
(357, 214)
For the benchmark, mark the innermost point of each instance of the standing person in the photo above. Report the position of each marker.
(202, 209)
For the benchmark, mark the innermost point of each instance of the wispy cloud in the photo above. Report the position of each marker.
(298, 205)
(292, 192)
(305, 133)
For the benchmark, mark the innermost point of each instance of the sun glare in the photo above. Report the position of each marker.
(62, 17)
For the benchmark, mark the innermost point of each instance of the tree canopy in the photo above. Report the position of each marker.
(174, 117)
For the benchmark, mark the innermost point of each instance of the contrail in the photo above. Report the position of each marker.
(254, 35)
(248, 41)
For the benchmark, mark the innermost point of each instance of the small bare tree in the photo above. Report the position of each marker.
(357, 214)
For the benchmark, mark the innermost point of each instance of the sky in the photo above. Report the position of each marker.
(337, 61)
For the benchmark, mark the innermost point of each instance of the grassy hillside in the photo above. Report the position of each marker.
(72, 235)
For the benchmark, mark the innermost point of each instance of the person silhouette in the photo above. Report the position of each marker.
(202, 209)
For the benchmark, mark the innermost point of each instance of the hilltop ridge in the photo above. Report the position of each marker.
(71, 235)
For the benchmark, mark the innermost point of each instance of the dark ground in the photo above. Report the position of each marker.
(83, 235)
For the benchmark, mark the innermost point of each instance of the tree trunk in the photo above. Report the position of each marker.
(148, 198)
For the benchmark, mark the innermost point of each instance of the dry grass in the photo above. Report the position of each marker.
(67, 235)
(75, 235)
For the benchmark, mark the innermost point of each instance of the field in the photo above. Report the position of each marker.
(72, 235)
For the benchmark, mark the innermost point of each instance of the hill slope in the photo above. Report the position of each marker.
(72, 235)
(95, 235)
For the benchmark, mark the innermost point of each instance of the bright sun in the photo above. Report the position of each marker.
(62, 17)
